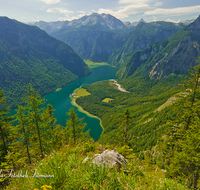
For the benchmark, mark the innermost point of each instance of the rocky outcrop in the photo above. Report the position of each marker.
(104, 38)
(109, 158)
(143, 35)
(178, 60)
(174, 55)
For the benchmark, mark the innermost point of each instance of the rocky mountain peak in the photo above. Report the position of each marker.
(195, 25)
(142, 20)
(102, 20)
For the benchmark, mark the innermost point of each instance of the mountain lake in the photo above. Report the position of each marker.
(61, 101)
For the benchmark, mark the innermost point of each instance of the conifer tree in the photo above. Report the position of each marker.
(51, 117)
(51, 131)
(19, 148)
(35, 128)
(183, 144)
(192, 84)
(35, 109)
(75, 127)
(2, 114)
(124, 127)
(4, 127)
(23, 130)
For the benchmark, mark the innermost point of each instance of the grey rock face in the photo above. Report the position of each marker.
(174, 55)
(178, 60)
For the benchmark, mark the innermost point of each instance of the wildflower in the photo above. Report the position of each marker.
(46, 187)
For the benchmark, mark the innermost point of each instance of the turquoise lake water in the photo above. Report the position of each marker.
(62, 102)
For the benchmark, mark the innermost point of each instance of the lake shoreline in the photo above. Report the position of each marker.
(80, 109)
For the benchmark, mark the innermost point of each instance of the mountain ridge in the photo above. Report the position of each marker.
(29, 55)
(104, 38)
(174, 55)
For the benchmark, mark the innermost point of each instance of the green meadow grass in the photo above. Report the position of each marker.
(92, 64)
(107, 100)
(81, 92)
(70, 173)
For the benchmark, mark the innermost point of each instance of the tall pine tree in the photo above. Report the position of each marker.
(75, 128)
(4, 128)
(35, 108)
(124, 134)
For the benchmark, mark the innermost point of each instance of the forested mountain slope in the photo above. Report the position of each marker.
(143, 35)
(30, 55)
(173, 55)
(151, 77)
(143, 98)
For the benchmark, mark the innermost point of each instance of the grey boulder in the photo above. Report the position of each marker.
(108, 157)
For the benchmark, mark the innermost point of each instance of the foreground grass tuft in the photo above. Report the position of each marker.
(69, 172)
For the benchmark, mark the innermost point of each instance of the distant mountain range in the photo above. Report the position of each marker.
(28, 55)
(92, 37)
(102, 37)
(100, 21)
(173, 55)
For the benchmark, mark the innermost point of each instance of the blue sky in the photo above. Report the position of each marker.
(125, 10)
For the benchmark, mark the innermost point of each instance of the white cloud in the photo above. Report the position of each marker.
(69, 18)
(170, 20)
(126, 11)
(154, 18)
(67, 14)
(158, 4)
(63, 18)
(58, 10)
(129, 7)
(133, 1)
(175, 11)
(82, 12)
(50, 1)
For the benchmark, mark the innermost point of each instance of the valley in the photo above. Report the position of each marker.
(61, 101)
(144, 98)
(30, 56)
(97, 83)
